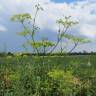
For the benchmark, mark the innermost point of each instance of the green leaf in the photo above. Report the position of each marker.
(24, 33)
(39, 44)
(66, 22)
(75, 38)
(21, 17)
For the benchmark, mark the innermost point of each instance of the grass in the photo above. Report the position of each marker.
(54, 76)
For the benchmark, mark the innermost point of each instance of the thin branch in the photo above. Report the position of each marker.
(58, 41)
(75, 45)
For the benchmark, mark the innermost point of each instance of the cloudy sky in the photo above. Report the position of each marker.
(82, 10)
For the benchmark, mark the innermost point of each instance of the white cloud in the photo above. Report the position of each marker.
(88, 30)
(84, 11)
(2, 28)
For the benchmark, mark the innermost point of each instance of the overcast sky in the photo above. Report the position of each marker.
(82, 10)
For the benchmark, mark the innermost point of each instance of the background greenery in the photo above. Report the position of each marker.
(57, 76)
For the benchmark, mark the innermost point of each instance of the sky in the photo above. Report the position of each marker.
(84, 11)
(62, 1)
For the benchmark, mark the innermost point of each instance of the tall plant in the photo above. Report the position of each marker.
(44, 45)
(29, 33)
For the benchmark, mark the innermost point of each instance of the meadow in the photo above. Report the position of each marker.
(44, 72)
(73, 75)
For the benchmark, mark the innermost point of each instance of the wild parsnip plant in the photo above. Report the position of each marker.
(44, 45)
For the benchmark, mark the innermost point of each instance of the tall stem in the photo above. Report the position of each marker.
(76, 44)
(59, 39)
(33, 32)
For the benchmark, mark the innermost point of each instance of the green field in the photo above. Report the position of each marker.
(48, 76)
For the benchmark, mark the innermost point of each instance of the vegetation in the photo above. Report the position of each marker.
(44, 45)
(59, 76)
(43, 73)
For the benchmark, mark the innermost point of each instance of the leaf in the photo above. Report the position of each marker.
(40, 44)
(24, 33)
(75, 38)
(66, 22)
(21, 17)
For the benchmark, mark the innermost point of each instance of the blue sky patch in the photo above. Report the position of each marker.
(61, 1)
